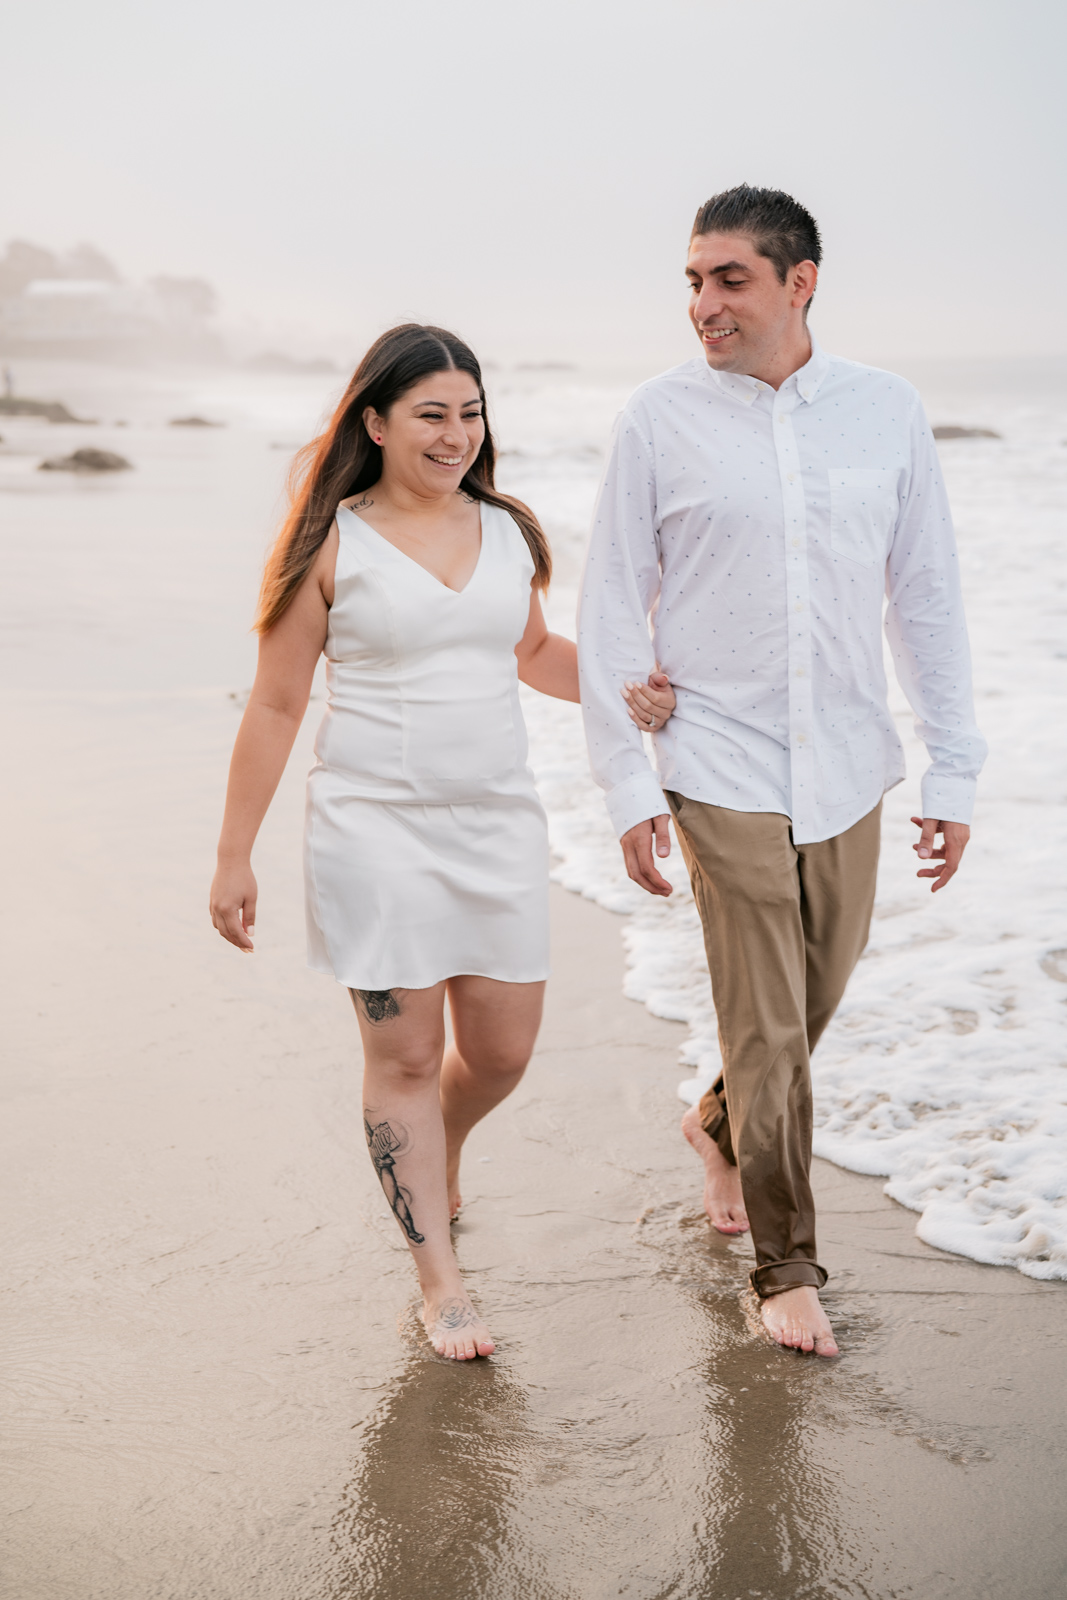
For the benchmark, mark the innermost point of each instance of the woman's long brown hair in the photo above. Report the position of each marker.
(345, 460)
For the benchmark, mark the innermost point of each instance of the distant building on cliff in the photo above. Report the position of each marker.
(77, 305)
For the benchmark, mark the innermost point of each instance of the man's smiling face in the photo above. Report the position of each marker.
(745, 319)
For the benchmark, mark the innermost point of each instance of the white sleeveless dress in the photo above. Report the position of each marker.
(426, 848)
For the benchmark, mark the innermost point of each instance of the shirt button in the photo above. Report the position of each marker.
(800, 672)
(796, 544)
(798, 606)
(781, 419)
(800, 738)
(792, 477)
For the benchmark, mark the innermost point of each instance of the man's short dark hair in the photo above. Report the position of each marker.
(778, 225)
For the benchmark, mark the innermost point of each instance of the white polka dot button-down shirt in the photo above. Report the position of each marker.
(745, 538)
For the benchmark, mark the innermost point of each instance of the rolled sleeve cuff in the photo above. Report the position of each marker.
(634, 801)
(947, 798)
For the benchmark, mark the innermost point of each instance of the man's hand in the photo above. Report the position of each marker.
(955, 836)
(637, 853)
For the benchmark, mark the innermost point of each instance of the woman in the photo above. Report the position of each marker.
(426, 851)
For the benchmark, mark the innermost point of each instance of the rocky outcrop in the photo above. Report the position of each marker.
(277, 361)
(50, 410)
(951, 431)
(87, 460)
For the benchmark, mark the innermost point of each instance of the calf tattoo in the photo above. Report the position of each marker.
(384, 1145)
(379, 1005)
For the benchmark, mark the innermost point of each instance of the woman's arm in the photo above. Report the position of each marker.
(287, 658)
(549, 663)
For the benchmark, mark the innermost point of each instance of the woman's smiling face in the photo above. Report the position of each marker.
(432, 433)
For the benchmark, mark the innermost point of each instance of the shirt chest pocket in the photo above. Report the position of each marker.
(863, 512)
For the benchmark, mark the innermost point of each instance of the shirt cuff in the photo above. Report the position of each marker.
(948, 798)
(634, 801)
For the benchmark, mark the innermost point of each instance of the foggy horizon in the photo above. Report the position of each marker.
(531, 179)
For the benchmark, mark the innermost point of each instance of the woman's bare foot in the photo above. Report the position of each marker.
(455, 1329)
(723, 1200)
(796, 1319)
(455, 1199)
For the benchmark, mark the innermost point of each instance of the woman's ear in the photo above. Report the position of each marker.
(373, 424)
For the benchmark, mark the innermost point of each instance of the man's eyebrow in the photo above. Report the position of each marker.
(729, 266)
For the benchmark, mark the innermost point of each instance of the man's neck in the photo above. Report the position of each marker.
(780, 363)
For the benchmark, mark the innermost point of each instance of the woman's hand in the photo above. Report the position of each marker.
(233, 903)
(650, 704)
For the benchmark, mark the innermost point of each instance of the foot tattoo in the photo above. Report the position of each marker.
(384, 1145)
(456, 1330)
(456, 1314)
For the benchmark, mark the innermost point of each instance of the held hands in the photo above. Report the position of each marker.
(955, 836)
(233, 903)
(649, 704)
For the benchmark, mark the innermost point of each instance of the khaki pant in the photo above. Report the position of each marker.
(784, 925)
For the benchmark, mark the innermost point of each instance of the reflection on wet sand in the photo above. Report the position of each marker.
(768, 1520)
(469, 1485)
(772, 1508)
(429, 1511)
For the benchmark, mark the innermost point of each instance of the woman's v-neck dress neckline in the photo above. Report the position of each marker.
(405, 557)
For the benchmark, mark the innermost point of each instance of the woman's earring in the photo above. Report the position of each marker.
(377, 438)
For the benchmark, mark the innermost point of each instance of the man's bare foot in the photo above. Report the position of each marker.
(796, 1319)
(455, 1329)
(723, 1200)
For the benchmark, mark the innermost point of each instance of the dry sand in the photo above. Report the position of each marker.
(216, 1389)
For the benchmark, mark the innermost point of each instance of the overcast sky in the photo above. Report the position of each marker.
(528, 172)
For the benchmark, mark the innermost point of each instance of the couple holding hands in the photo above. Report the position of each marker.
(759, 505)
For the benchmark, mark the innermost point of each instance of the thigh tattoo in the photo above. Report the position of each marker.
(379, 1005)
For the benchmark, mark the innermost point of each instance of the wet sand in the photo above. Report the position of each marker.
(215, 1384)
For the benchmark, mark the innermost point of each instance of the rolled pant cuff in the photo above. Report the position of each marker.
(775, 1277)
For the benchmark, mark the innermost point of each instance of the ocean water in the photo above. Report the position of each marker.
(945, 1070)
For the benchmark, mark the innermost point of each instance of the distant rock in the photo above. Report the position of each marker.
(277, 361)
(86, 460)
(51, 410)
(194, 422)
(951, 431)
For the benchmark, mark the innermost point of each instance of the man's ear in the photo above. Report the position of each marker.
(805, 275)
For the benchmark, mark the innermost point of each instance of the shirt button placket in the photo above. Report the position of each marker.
(798, 596)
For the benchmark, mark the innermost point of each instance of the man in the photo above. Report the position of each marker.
(757, 506)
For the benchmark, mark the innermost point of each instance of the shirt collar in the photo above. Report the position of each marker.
(812, 374)
(808, 379)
